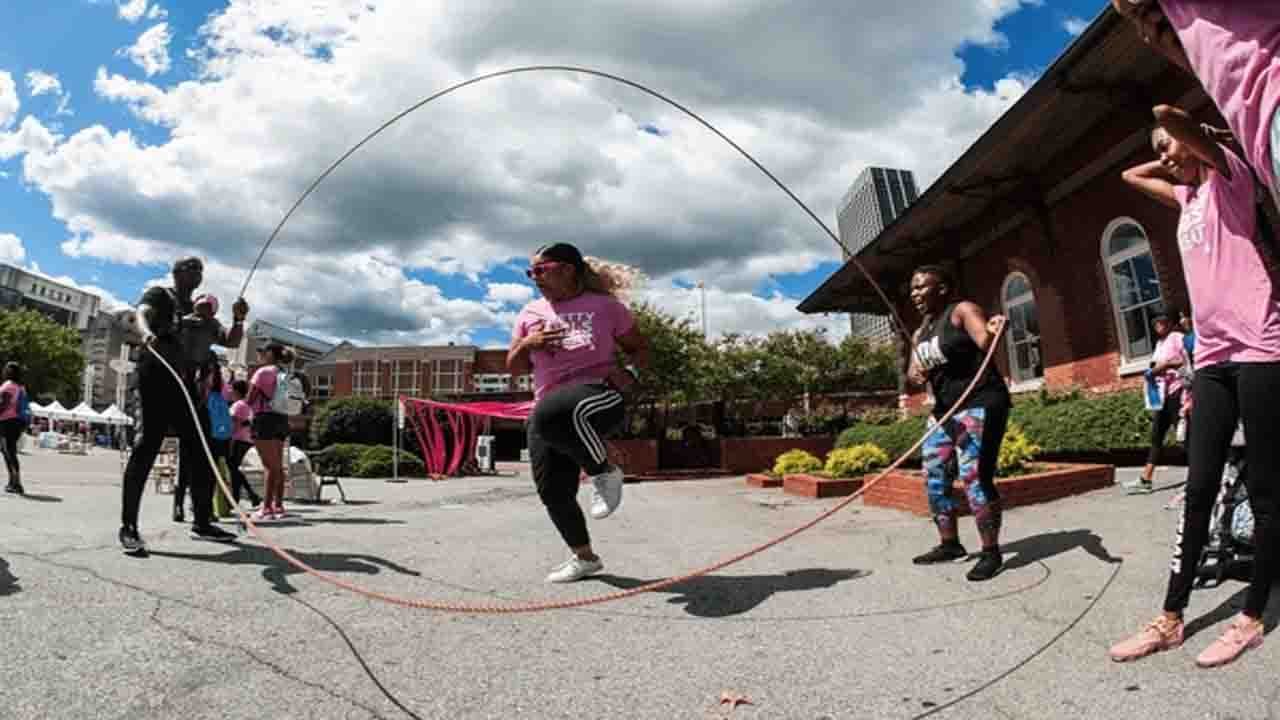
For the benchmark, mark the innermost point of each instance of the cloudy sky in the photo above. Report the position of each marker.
(132, 131)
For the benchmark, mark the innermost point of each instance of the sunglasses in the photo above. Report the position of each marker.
(541, 269)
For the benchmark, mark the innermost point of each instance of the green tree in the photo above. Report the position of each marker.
(50, 354)
(677, 357)
(358, 420)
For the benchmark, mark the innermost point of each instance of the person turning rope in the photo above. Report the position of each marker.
(949, 347)
(571, 338)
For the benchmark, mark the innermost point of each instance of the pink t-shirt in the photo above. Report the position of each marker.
(241, 416)
(1236, 314)
(1170, 348)
(594, 321)
(13, 391)
(1234, 49)
(262, 387)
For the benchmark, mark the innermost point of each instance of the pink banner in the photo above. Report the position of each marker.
(448, 442)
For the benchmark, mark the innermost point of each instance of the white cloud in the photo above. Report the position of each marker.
(467, 184)
(151, 51)
(131, 10)
(40, 82)
(31, 138)
(1074, 25)
(499, 294)
(11, 249)
(155, 12)
(9, 103)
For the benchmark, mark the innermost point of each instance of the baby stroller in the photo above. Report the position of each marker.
(1230, 551)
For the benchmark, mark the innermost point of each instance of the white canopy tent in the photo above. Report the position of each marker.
(86, 414)
(115, 416)
(54, 411)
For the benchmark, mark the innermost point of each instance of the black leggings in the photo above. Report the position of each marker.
(566, 436)
(11, 432)
(239, 449)
(1225, 394)
(163, 408)
(1161, 421)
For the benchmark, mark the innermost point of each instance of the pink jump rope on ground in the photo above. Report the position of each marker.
(513, 608)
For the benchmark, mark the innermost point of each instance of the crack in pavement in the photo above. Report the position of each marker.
(270, 665)
(160, 598)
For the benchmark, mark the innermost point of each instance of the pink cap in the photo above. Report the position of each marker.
(208, 300)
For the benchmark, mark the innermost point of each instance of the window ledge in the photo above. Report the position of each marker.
(1026, 386)
(1134, 367)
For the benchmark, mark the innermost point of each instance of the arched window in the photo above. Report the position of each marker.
(1134, 286)
(1024, 329)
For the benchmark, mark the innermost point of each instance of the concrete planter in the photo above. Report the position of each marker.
(761, 480)
(905, 489)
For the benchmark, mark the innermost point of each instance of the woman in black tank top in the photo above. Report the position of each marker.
(947, 353)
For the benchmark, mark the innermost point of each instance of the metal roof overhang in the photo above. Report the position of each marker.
(1028, 158)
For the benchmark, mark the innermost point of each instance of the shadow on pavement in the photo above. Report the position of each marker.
(1036, 548)
(8, 582)
(277, 571)
(717, 596)
(1232, 607)
(309, 522)
(34, 497)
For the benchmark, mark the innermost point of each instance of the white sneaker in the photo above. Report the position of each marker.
(606, 494)
(574, 569)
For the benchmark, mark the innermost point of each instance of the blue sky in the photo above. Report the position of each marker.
(76, 40)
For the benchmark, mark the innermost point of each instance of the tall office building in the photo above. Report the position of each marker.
(877, 196)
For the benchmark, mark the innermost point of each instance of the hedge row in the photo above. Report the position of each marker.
(1065, 423)
(365, 461)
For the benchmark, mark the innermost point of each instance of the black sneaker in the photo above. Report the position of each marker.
(211, 533)
(131, 541)
(946, 552)
(178, 515)
(989, 565)
(14, 488)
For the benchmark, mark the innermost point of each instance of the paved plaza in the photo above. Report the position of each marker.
(836, 623)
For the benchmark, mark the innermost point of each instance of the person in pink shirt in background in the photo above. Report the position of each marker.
(241, 440)
(571, 338)
(270, 429)
(1237, 378)
(1166, 362)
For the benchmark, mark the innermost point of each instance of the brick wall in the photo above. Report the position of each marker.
(754, 454)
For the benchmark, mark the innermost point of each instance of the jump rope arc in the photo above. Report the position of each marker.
(490, 609)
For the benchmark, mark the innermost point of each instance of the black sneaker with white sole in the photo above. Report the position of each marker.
(211, 533)
(990, 562)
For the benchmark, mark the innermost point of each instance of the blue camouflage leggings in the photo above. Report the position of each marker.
(966, 447)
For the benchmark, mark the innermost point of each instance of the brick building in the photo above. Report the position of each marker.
(1036, 223)
(450, 372)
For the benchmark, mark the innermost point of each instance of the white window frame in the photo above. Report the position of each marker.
(322, 388)
(1023, 378)
(365, 384)
(1128, 365)
(492, 382)
(412, 388)
(457, 380)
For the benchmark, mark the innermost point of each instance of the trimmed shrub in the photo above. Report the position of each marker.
(894, 438)
(359, 420)
(376, 462)
(364, 461)
(1016, 453)
(1072, 422)
(855, 460)
(796, 461)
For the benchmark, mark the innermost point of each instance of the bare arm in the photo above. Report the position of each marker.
(1152, 180)
(915, 371)
(1182, 128)
(144, 316)
(635, 346)
(231, 338)
(1155, 30)
(976, 323)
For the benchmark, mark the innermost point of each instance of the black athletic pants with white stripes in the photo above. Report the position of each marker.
(1225, 394)
(566, 435)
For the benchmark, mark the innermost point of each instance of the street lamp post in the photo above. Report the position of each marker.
(702, 288)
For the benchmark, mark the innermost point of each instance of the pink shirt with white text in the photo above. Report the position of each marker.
(1236, 313)
(594, 321)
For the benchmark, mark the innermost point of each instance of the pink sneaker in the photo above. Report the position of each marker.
(1159, 634)
(263, 514)
(1244, 633)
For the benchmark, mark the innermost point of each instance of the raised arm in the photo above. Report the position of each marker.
(976, 323)
(1152, 180)
(231, 338)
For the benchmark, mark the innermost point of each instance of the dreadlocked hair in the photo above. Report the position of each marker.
(610, 278)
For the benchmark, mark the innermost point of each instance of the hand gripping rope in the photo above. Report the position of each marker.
(513, 608)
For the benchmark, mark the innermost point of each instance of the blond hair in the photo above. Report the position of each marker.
(610, 278)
